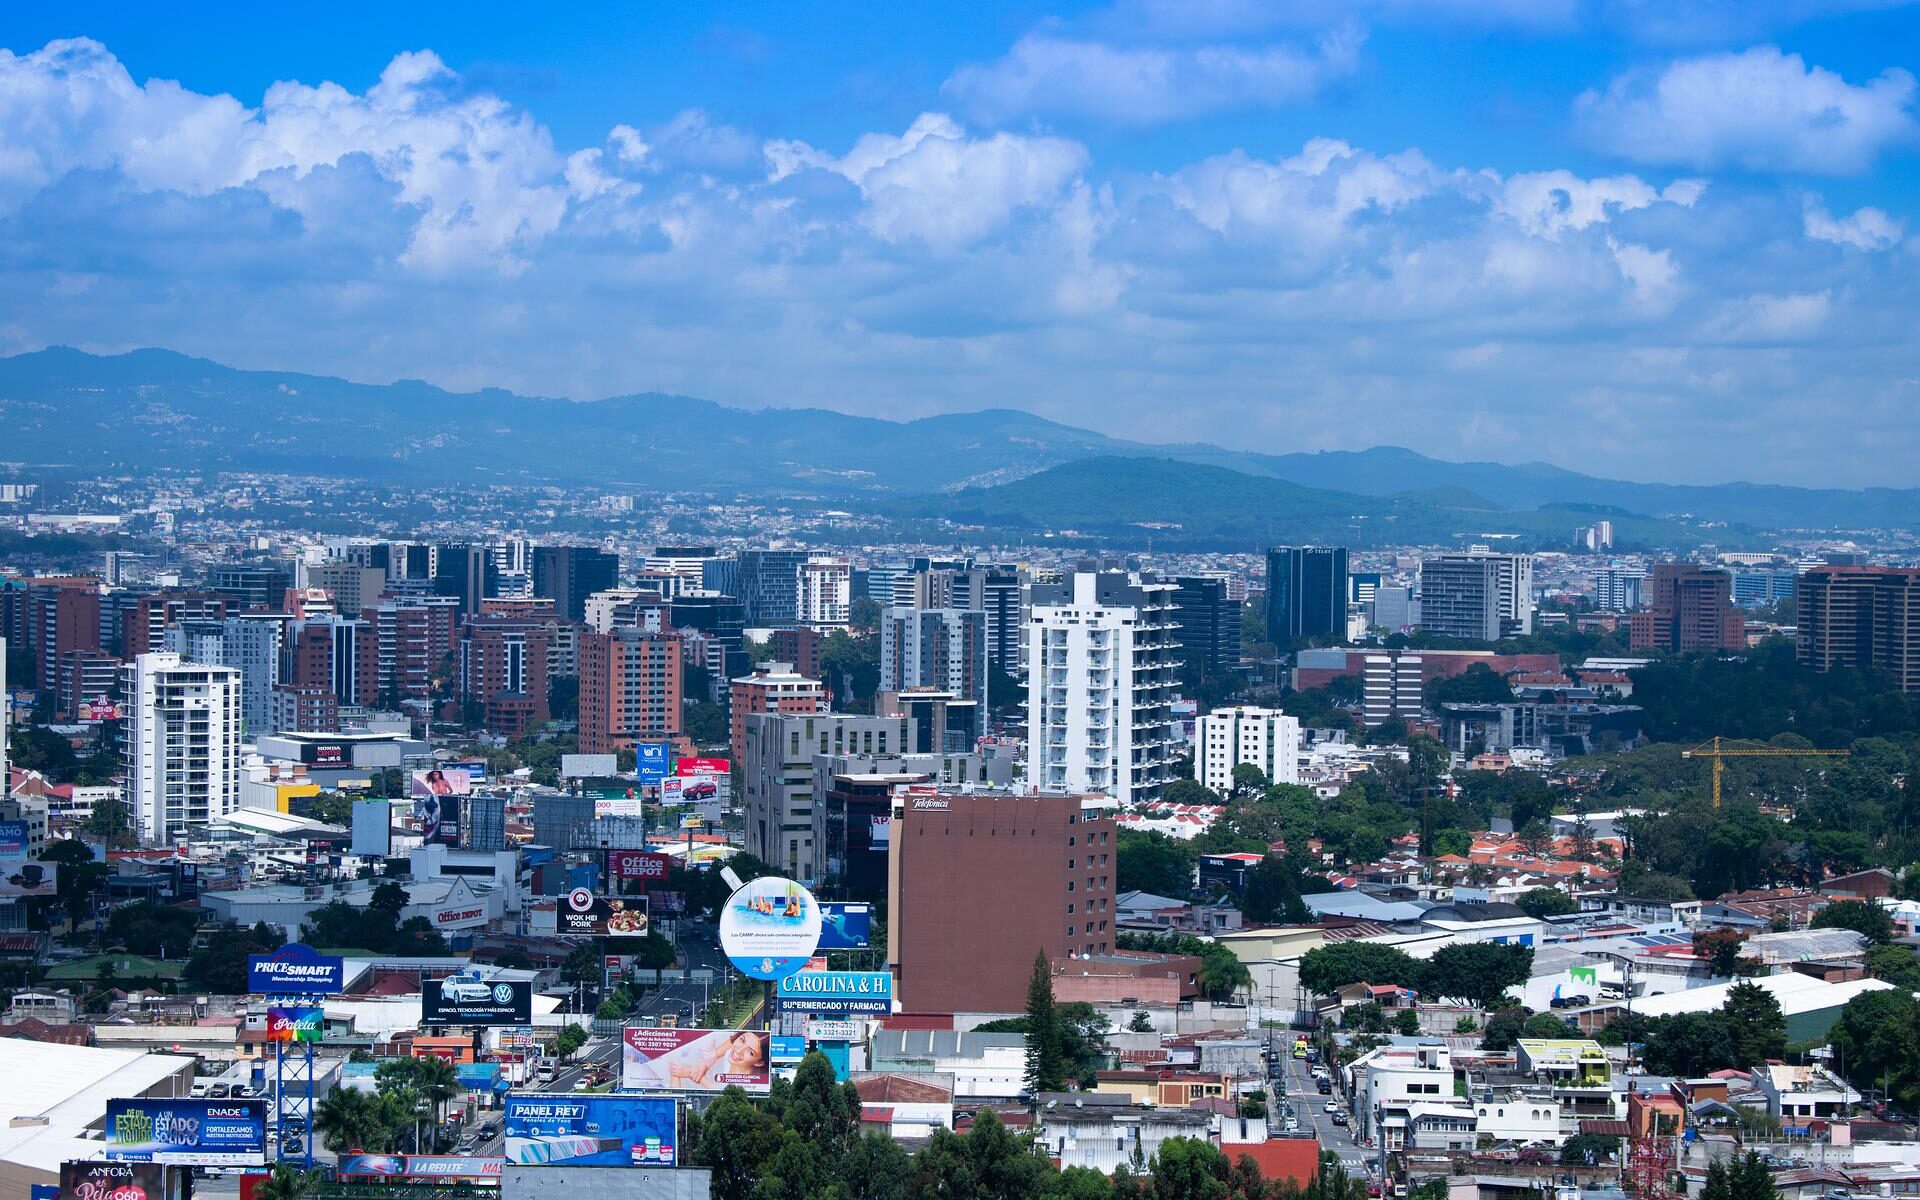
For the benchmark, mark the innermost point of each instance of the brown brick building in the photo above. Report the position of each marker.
(504, 670)
(978, 884)
(1867, 617)
(629, 688)
(1688, 608)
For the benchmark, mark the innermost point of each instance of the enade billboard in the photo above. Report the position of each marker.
(694, 1060)
(592, 1130)
(183, 1132)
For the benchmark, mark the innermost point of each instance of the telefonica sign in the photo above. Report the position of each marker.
(298, 970)
(931, 804)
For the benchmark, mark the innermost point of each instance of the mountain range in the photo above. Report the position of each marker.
(146, 408)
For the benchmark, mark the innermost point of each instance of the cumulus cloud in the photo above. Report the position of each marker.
(1867, 229)
(423, 228)
(1051, 75)
(1761, 110)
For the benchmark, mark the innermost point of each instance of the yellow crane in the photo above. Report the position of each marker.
(1718, 752)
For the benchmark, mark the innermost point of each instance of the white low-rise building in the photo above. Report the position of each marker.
(1261, 737)
(1798, 1094)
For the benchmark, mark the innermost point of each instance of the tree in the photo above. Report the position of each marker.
(1690, 1044)
(1222, 974)
(1477, 972)
(1898, 965)
(1140, 1022)
(347, 1118)
(1476, 685)
(1546, 902)
(570, 1040)
(1188, 791)
(1750, 1179)
(1878, 1039)
(285, 1182)
(390, 896)
(1755, 1023)
(1046, 1067)
(1721, 949)
(1590, 1149)
(1544, 1025)
(1864, 917)
(733, 1139)
(1153, 862)
(221, 964)
(153, 930)
(1248, 780)
(1272, 894)
(1330, 968)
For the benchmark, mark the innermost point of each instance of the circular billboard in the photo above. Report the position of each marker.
(770, 928)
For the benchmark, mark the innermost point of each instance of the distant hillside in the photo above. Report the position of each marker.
(155, 407)
(1182, 503)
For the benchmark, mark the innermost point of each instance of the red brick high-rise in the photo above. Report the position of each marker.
(144, 624)
(1688, 608)
(504, 669)
(629, 688)
(773, 687)
(338, 654)
(978, 884)
(63, 615)
(1866, 617)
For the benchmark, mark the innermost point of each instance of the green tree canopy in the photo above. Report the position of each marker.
(1329, 968)
(1477, 972)
(1546, 902)
(1862, 916)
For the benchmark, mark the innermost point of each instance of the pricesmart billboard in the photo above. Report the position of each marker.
(592, 1131)
(296, 970)
(196, 1133)
(836, 993)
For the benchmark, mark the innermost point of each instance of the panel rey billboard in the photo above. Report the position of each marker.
(592, 1130)
(194, 1133)
(694, 1060)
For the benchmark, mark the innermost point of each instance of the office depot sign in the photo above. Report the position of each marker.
(623, 865)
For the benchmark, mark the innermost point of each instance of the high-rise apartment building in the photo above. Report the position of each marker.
(1102, 666)
(460, 570)
(1762, 589)
(799, 645)
(180, 744)
(1688, 608)
(722, 619)
(335, 653)
(776, 777)
(353, 586)
(944, 648)
(504, 672)
(569, 574)
(144, 619)
(413, 635)
(255, 645)
(1864, 617)
(1617, 589)
(980, 883)
(87, 678)
(825, 597)
(63, 616)
(630, 681)
(1477, 596)
(773, 687)
(1390, 687)
(1306, 593)
(1209, 624)
(1262, 737)
(1393, 608)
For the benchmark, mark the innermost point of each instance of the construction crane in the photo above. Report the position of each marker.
(1719, 753)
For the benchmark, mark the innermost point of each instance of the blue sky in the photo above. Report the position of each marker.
(1653, 240)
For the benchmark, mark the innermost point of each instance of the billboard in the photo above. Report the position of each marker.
(616, 802)
(111, 1181)
(879, 831)
(296, 970)
(467, 1001)
(329, 755)
(295, 1024)
(667, 904)
(420, 1166)
(588, 766)
(583, 914)
(372, 828)
(845, 926)
(13, 844)
(706, 779)
(694, 1060)
(836, 993)
(623, 865)
(436, 803)
(29, 879)
(469, 914)
(194, 1133)
(770, 927)
(650, 761)
(592, 1130)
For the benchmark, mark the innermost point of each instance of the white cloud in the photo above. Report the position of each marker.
(1760, 110)
(1047, 74)
(1867, 229)
(1547, 203)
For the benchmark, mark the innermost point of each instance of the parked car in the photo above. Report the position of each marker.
(1570, 1001)
(1324, 1085)
(1339, 1118)
(1332, 1106)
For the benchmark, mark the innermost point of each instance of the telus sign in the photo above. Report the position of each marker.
(296, 970)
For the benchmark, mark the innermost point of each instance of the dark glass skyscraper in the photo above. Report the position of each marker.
(1306, 593)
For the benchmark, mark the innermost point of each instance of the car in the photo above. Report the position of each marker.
(465, 991)
(1325, 1086)
(705, 789)
(1338, 1118)
(218, 1091)
(1570, 1001)
(1331, 1106)
(198, 1091)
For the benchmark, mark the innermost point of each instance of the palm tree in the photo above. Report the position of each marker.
(347, 1118)
(285, 1183)
(437, 1081)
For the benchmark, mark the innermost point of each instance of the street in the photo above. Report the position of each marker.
(1309, 1106)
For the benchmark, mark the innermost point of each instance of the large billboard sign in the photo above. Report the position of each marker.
(111, 1181)
(694, 1060)
(191, 1133)
(592, 1130)
(13, 844)
(623, 865)
(588, 766)
(583, 914)
(650, 760)
(296, 1024)
(436, 803)
(393, 1167)
(770, 927)
(372, 828)
(845, 925)
(462, 1000)
(836, 993)
(296, 970)
(29, 879)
